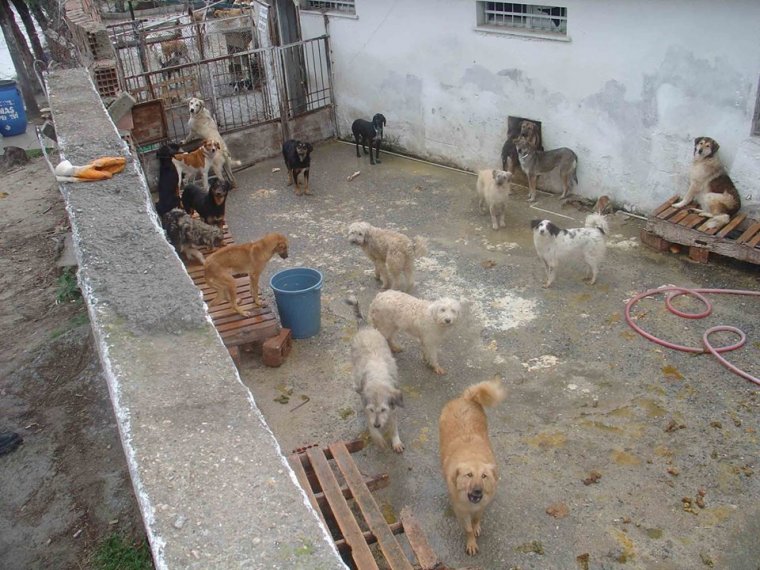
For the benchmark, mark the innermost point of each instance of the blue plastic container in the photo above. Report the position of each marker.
(12, 112)
(298, 293)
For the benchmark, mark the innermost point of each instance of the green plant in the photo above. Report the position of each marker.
(67, 288)
(117, 552)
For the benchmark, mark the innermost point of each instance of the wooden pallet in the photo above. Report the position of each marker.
(331, 480)
(236, 330)
(666, 225)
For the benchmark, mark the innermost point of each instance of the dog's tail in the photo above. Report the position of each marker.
(487, 393)
(354, 302)
(599, 222)
(420, 245)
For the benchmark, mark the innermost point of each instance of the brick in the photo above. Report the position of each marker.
(278, 347)
(654, 241)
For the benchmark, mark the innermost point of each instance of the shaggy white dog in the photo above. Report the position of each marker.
(494, 189)
(392, 253)
(375, 379)
(429, 321)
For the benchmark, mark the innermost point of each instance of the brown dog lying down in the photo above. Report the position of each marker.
(468, 462)
(250, 258)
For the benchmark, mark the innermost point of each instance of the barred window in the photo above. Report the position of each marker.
(529, 17)
(340, 6)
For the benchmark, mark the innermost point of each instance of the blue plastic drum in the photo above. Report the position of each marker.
(298, 293)
(12, 112)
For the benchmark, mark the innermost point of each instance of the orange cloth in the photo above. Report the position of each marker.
(99, 169)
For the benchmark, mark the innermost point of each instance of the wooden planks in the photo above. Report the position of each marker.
(667, 225)
(377, 525)
(348, 525)
(331, 479)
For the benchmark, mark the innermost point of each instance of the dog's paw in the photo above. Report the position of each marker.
(472, 547)
(476, 529)
(398, 447)
(680, 204)
(438, 370)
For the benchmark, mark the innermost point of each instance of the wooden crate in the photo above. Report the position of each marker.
(666, 225)
(331, 479)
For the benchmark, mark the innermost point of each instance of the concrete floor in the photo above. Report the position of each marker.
(585, 392)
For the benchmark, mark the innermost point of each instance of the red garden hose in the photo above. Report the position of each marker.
(697, 293)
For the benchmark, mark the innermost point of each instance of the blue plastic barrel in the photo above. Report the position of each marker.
(297, 292)
(12, 113)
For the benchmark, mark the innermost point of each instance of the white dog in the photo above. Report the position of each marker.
(494, 189)
(392, 253)
(554, 244)
(429, 321)
(375, 379)
(203, 126)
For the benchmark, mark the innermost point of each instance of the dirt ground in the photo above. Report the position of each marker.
(67, 487)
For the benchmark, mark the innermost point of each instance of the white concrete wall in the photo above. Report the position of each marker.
(636, 83)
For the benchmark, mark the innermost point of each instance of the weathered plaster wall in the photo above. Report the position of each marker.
(629, 91)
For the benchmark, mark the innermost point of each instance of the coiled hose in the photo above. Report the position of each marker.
(674, 292)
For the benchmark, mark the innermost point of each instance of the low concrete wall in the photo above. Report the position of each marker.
(213, 487)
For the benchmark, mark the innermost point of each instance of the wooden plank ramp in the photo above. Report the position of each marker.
(235, 329)
(343, 498)
(666, 226)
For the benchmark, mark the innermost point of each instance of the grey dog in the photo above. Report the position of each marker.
(535, 162)
(375, 379)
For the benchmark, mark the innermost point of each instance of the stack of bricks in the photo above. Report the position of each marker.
(94, 45)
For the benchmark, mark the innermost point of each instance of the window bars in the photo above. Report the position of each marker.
(530, 17)
(341, 6)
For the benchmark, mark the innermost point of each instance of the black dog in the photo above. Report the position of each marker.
(209, 205)
(297, 155)
(168, 179)
(369, 134)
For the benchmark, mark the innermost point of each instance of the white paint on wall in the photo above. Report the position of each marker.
(629, 91)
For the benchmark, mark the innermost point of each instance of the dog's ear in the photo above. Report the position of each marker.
(696, 141)
(534, 224)
(310, 147)
(397, 399)
(715, 146)
(492, 470)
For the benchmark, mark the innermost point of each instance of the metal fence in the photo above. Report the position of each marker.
(222, 62)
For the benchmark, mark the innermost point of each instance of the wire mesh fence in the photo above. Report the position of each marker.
(222, 62)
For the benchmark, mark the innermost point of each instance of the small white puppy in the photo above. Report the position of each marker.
(392, 253)
(375, 379)
(554, 244)
(429, 321)
(494, 189)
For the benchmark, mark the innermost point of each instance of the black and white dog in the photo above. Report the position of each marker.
(369, 134)
(554, 244)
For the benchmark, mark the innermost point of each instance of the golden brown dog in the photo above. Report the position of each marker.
(244, 258)
(710, 186)
(468, 462)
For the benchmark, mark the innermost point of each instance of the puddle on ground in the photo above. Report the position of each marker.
(671, 372)
(652, 409)
(547, 439)
(625, 458)
(654, 533)
(626, 543)
(388, 513)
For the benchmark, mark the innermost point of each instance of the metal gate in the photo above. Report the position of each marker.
(228, 63)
